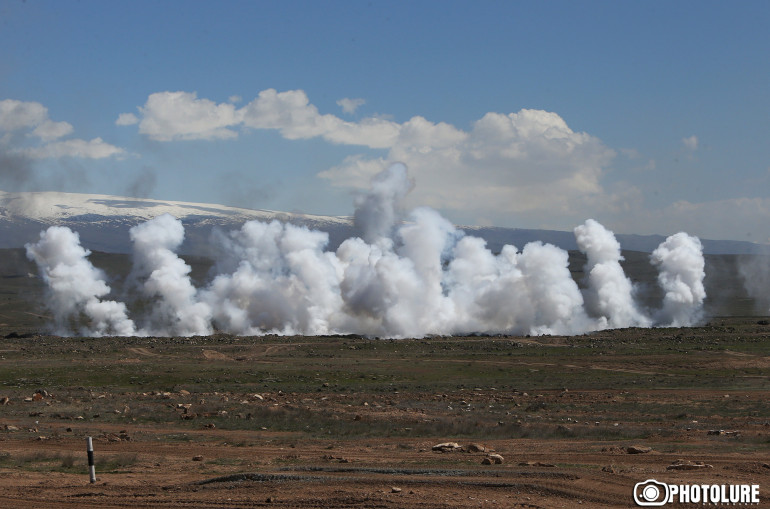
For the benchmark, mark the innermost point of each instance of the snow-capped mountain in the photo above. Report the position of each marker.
(103, 222)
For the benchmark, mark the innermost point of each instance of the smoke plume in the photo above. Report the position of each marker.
(408, 275)
(176, 310)
(755, 271)
(75, 286)
(610, 293)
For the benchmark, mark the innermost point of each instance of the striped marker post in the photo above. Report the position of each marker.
(91, 468)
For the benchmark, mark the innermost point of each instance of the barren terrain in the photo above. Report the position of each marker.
(228, 421)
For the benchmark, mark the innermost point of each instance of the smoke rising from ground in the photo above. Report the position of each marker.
(755, 272)
(408, 275)
(75, 286)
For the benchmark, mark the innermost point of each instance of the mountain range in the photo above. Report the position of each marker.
(103, 222)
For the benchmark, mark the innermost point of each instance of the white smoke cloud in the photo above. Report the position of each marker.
(681, 265)
(75, 285)
(610, 293)
(177, 310)
(755, 271)
(378, 210)
(409, 276)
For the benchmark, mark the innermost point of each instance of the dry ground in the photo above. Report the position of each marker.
(350, 422)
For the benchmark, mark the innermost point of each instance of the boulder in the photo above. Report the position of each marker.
(638, 449)
(496, 458)
(447, 447)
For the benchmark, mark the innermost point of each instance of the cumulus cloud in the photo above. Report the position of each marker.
(16, 115)
(504, 164)
(50, 130)
(93, 149)
(292, 114)
(349, 105)
(168, 116)
(127, 119)
(32, 118)
(690, 143)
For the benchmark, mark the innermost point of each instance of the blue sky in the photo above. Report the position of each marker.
(651, 117)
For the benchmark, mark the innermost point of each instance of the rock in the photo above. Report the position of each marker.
(496, 458)
(395, 490)
(688, 465)
(197, 458)
(270, 500)
(5, 400)
(357, 417)
(477, 448)
(184, 393)
(11, 427)
(609, 469)
(638, 449)
(447, 447)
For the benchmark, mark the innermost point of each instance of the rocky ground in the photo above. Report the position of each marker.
(226, 421)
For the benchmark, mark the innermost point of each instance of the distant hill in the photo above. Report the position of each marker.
(103, 222)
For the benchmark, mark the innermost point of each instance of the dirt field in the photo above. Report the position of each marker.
(350, 422)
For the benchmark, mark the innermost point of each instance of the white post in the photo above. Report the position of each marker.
(91, 468)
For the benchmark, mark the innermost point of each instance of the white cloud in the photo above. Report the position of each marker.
(50, 130)
(349, 105)
(506, 165)
(18, 115)
(93, 149)
(690, 143)
(168, 116)
(292, 114)
(127, 119)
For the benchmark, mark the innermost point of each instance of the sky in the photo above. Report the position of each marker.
(650, 117)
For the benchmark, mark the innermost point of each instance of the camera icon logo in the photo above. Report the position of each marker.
(651, 493)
